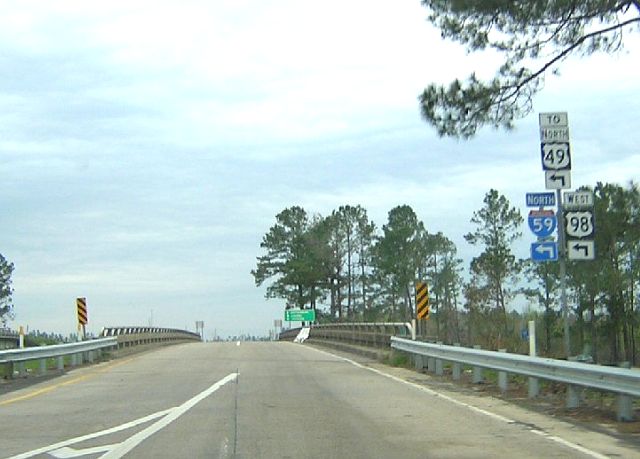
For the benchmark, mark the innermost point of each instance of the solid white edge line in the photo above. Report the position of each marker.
(141, 436)
(495, 416)
(90, 436)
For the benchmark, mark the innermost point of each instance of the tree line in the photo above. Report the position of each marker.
(344, 261)
(348, 269)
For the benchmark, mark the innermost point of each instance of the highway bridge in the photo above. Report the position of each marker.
(276, 400)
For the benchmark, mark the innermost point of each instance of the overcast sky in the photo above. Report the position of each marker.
(146, 146)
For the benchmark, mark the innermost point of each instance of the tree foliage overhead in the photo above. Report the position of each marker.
(535, 36)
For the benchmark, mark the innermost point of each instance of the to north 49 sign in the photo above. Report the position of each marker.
(555, 156)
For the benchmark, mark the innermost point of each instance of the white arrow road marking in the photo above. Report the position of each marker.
(101, 433)
(59, 449)
(141, 436)
(67, 452)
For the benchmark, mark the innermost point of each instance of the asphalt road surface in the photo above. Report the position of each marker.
(267, 400)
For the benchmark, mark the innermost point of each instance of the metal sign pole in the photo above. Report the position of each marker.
(562, 255)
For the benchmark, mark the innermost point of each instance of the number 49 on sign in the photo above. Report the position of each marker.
(555, 156)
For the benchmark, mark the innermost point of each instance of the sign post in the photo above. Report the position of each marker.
(555, 153)
(574, 218)
(200, 329)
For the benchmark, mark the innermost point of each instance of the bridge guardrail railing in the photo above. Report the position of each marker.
(8, 338)
(372, 334)
(134, 336)
(624, 382)
(289, 334)
(111, 338)
(89, 350)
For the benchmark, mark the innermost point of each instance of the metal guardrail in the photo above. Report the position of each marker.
(375, 334)
(289, 334)
(8, 333)
(622, 381)
(78, 352)
(134, 336)
(112, 337)
(115, 331)
(8, 338)
(55, 350)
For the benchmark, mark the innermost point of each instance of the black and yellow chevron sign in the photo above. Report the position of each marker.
(81, 305)
(422, 300)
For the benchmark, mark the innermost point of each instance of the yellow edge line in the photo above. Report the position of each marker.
(52, 387)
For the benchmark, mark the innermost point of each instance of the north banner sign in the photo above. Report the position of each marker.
(546, 199)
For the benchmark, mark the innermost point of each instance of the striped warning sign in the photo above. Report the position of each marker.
(422, 300)
(83, 317)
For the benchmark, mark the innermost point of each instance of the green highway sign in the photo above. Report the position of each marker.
(300, 315)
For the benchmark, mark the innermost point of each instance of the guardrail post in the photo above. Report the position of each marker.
(456, 369)
(477, 377)
(60, 365)
(624, 402)
(502, 377)
(624, 408)
(534, 389)
(6, 370)
(573, 396)
(43, 367)
(21, 370)
(431, 364)
(439, 370)
(573, 392)
(418, 361)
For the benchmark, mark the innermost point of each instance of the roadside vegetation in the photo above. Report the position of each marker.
(347, 269)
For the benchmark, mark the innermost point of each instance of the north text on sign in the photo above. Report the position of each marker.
(554, 134)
